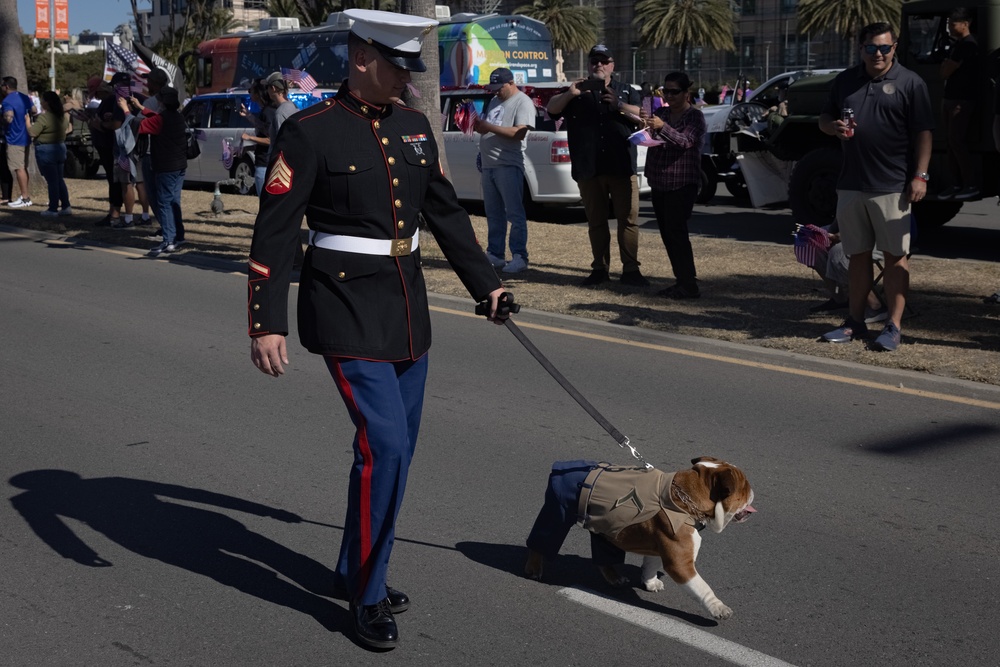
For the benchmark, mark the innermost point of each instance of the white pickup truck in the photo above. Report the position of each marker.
(546, 159)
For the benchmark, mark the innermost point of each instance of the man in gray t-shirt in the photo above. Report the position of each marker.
(504, 126)
(277, 90)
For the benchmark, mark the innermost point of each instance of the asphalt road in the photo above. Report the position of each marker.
(145, 461)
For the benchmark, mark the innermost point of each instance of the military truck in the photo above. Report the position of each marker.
(795, 152)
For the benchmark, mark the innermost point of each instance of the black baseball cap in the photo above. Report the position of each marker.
(499, 77)
(121, 79)
(600, 52)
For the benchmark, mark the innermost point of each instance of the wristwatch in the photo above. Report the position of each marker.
(923, 176)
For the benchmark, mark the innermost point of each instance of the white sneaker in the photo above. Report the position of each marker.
(515, 265)
(495, 261)
(20, 202)
(873, 315)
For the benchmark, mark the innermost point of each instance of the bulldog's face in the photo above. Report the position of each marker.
(727, 489)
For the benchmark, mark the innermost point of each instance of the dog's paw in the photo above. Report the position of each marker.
(653, 585)
(612, 576)
(718, 610)
(534, 565)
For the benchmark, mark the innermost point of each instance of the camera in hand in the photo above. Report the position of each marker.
(591, 85)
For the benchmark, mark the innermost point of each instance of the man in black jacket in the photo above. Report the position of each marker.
(362, 167)
(599, 114)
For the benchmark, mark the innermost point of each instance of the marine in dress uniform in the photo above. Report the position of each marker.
(361, 167)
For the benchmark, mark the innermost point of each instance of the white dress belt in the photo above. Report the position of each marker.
(363, 246)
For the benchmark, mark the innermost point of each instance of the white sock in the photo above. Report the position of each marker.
(128, 219)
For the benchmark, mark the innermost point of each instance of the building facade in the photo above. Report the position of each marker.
(164, 13)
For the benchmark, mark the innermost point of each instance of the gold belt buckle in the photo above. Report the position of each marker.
(401, 247)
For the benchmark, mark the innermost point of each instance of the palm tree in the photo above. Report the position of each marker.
(428, 83)
(685, 23)
(308, 12)
(11, 48)
(847, 16)
(573, 27)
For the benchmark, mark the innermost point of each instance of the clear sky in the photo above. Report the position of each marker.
(93, 15)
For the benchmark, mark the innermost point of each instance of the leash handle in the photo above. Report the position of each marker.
(505, 306)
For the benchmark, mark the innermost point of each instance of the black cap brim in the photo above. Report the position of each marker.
(401, 59)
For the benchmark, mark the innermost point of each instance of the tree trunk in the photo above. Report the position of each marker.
(429, 82)
(11, 49)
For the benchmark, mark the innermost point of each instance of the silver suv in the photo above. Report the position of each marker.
(220, 127)
(547, 178)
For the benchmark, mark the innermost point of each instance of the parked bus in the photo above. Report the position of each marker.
(470, 46)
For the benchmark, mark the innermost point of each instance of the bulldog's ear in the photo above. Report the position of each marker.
(724, 483)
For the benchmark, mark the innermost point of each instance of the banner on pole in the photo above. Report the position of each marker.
(42, 19)
(62, 19)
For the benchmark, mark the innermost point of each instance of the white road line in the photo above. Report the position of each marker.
(674, 629)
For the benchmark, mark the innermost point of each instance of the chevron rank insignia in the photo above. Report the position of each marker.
(279, 180)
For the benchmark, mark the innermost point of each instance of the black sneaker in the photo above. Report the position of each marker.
(596, 277)
(122, 223)
(104, 222)
(634, 278)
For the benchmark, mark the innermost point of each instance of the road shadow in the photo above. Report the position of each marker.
(145, 518)
(931, 440)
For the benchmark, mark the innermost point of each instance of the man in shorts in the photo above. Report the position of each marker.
(887, 148)
(15, 106)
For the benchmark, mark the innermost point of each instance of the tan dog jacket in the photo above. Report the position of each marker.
(613, 498)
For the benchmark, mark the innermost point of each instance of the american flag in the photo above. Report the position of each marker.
(808, 240)
(118, 59)
(299, 77)
(227, 154)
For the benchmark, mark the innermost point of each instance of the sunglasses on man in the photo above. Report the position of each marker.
(672, 91)
(884, 49)
(600, 61)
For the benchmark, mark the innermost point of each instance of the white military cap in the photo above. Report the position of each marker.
(397, 37)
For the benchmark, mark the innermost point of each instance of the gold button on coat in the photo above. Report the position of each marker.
(256, 306)
(395, 181)
(256, 288)
(400, 224)
(352, 168)
(256, 325)
(392, 160)
(364, 109)
(399, 203)
(377, 125)
(423, 161)
(341, 275)
(385, 141)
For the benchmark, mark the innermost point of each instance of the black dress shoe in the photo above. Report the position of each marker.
(596, 277)
(634, 278)
(398, 600)
(375, 625)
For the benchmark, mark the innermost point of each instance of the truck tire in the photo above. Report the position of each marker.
(812, 189)
(932, 214)
(73, 168)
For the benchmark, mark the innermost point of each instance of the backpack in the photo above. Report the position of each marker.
(192, 148)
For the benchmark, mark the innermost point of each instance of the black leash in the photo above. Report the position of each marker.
(505, 307)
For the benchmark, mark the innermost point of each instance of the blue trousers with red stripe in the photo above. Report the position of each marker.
(385, 400)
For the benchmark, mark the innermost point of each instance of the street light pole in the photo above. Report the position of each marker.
(635, 49)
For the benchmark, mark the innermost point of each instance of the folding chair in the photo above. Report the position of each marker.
(908, 310)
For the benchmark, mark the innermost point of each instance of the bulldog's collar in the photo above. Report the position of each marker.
(684, 503)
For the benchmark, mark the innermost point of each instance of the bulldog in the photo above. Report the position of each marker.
(643, 511)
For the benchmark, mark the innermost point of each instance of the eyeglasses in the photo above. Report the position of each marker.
(884, 49)
(672, 91)
(599, 61)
